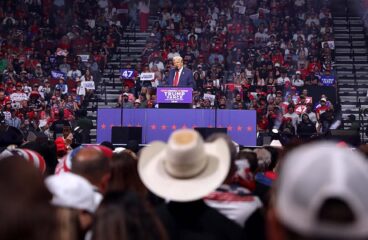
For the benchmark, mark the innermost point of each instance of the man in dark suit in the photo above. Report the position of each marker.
(180, 76)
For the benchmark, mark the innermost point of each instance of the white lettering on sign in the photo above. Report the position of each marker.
(147, 76)
(174, 95)
(88, 85)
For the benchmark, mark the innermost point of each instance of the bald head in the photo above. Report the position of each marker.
(92, 165)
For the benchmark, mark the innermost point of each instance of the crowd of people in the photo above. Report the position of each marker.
(187, 188)
(260, 55)
(52, 187)
(51, 58)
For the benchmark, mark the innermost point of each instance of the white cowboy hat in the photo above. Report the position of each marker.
(185, 169)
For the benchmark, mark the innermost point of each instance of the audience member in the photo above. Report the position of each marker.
(332, 205)
(166, 171)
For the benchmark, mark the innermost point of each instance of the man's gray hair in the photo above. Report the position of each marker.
(178, 57)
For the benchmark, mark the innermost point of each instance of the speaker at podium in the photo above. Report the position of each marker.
(122, 135)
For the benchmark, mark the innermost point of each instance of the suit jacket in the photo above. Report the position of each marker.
(186, 78)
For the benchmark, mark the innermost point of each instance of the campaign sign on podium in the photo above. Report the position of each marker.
(174, 95)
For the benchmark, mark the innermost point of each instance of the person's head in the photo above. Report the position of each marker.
(352, 117)
(124, 174)
(18, 86)
(24, 203)
(264, 158)
(92, 165)
(178, 62)
(278, 100)
(309, 108)
(125, 97)
(305, 118)
(329, 205)
(251, 157)
(222, 101)
(323, 101)
(290, 109)
(186, 168)
(76, 202)
(238, 97)
(123, 215)
(137, 103)
(47, 149)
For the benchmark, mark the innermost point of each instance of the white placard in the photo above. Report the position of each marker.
(147, 76)
(331, 44)
(241, 9)
(84, 57)
(209, 97)
(88, 85)
(17, 97)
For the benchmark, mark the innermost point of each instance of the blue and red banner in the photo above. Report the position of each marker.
(158, 124)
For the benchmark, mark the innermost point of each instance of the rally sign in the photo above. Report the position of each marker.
(127, 73)
(84, 57)
(331, 44)
(300, 109)
(147, 76)
(17, 97)
(174, 95)
(308, 100)
(57, 74)
(88, 85)
(210, 97)
(328, 80)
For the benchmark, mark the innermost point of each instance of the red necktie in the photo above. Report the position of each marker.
(176, 79)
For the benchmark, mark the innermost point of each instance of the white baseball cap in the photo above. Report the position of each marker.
(73, 191)
(312, 175)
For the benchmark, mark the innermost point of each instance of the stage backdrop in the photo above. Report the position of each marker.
(157, 124)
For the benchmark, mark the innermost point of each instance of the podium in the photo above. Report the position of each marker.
(174, 97)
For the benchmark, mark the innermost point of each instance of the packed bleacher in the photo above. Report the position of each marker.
(275, 57)
(269, 56)
(52, 54)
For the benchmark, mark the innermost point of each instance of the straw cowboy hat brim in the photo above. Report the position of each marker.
(151, 168)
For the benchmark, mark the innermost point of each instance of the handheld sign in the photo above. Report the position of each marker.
(127, 73)
(57, 74)
(328, 80)
(147, 76)
(89, 85)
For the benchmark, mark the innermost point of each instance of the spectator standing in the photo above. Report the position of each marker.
(292, 115)
(64, 67)
(14, 121)
(144, 11)
(306, 127)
